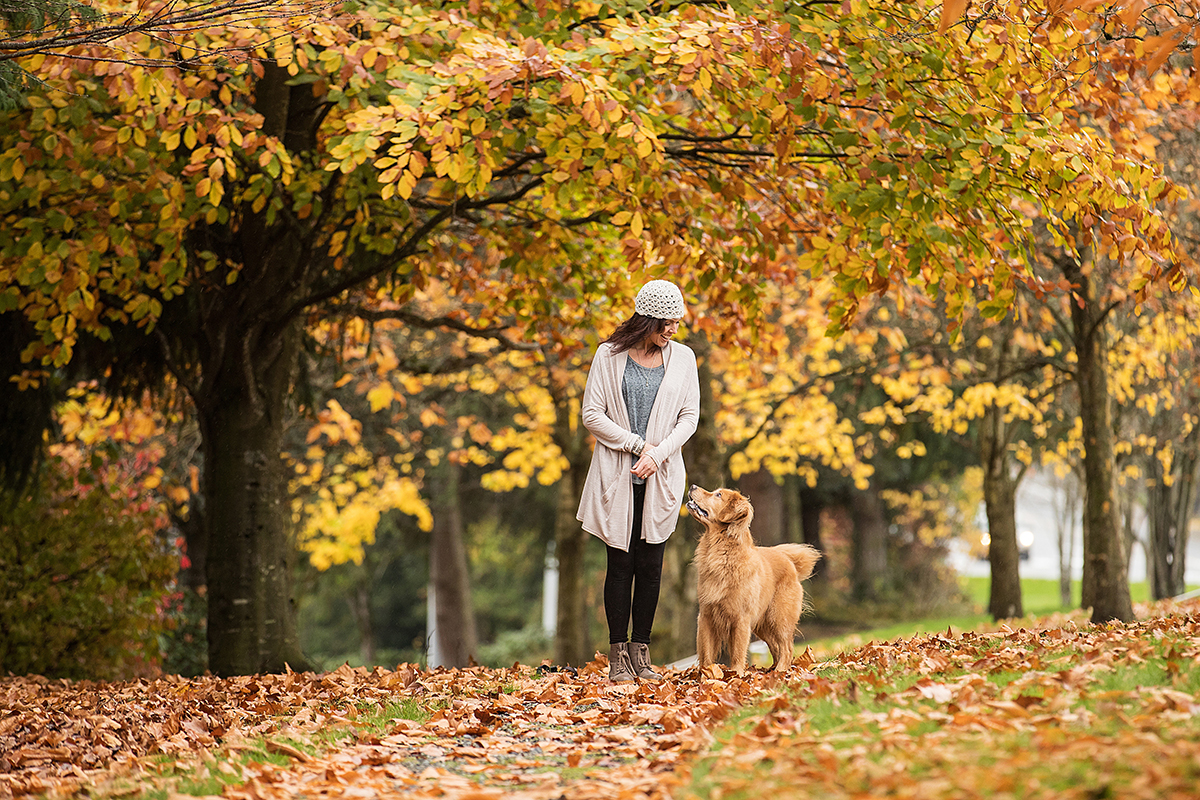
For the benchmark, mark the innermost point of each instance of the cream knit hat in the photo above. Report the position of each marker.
(661, 300)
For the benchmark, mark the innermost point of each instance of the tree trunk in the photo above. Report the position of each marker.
(449, 576)
(571, 640)
(1066, 522)
(1169, 509)
(811, 506)
(1000, 500)
(251, 610)
(869, 571)
(793, 509)
(1105, 577)
(360, 608)
(767, 498)
(237, 354)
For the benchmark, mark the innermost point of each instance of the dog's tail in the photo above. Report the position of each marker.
(804, 556)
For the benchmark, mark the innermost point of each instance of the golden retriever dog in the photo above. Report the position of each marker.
(744, 589)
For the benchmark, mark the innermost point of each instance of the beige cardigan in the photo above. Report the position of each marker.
(606, 507)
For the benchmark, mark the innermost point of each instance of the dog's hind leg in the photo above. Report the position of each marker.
(778, 630)
(782, 648)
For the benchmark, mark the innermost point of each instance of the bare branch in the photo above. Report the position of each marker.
(168, 18)
(494, 332)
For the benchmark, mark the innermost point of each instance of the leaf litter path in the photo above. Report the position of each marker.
(933, 716)
(522, 732)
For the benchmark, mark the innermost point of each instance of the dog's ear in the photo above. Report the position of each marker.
(736, 509)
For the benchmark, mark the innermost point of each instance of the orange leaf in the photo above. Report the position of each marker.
(1129, 15)
(951, 11)
(1159, 48)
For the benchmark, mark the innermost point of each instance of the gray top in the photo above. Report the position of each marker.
(639, 388)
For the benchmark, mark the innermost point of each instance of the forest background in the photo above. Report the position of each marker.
(925, 247)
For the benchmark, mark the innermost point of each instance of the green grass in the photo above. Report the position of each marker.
(208, 778)
(377, 719)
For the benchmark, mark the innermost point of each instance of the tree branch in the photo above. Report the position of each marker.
(169, 17)
(494, 332)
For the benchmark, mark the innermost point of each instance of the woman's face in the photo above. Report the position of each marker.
(667, 332)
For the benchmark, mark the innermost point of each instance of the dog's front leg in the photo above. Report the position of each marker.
(738, 646)
(705, 654)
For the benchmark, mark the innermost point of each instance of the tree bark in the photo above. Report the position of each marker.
(360, 608)
(571, 640)
(811, 506)
(1066, 522)
(1169, 509)
(1000, 500)
(1105, 576)
(449, 575)
(869, 572)
(767, 497)
(251, 610)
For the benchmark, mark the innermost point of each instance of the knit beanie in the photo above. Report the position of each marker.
(661, 300)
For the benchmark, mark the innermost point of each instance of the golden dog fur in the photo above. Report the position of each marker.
(744, 589)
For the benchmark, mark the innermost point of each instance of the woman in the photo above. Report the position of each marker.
(641, 403)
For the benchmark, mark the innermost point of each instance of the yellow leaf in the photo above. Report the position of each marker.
(381, 396)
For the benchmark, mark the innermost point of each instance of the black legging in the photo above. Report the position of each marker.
(635, 574)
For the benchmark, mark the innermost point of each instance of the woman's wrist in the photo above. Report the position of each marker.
(638, 446)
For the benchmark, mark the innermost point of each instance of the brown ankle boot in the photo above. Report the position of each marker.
(619, 668)
(639, 656)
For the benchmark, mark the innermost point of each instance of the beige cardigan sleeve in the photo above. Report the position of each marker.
(603, 410)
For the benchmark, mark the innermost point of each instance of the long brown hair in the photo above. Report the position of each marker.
(635, 330)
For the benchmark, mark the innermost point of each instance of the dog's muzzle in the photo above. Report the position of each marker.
(695, 510)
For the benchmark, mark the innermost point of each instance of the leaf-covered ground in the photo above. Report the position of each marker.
(1052, 709)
